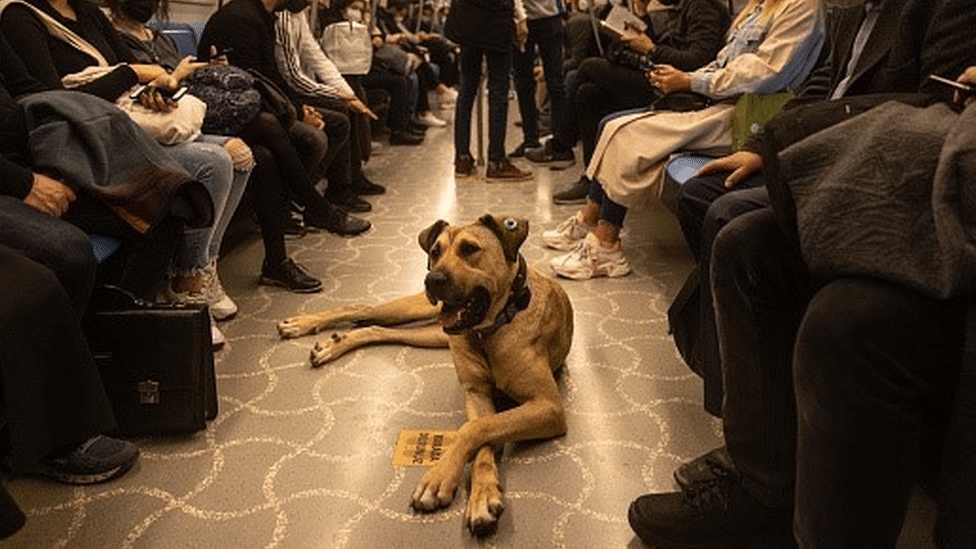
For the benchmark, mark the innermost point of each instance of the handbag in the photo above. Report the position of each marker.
(178, 125)
(482, 24)
(231, 98)
(348, 46)
(156, 364)
(273, 100)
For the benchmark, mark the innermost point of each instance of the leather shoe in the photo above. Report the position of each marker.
(363, 186)
(337, 221)
(706, 468)
(713, 515)
(405, 138)
(290, 275)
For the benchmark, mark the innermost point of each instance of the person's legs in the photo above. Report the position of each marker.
(871, 360)
(467, 91)
(52, 242)
(499, 67)
(549, 37)
(605, 88)
(523, 63)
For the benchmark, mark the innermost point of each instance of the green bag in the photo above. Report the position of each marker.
(751, 113)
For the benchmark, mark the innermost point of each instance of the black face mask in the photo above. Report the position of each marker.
(295, 6)
(140, 10)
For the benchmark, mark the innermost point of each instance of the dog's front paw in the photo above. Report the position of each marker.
(435, 491)
(485, 505)
(328, 350)
(295, 326)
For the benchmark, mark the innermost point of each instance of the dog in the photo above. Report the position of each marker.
(509, 328)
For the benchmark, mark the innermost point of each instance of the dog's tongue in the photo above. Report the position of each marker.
(450, 317)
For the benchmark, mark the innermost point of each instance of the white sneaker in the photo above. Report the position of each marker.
(217, 339)
(568, 234)
(592, 259)
(430, 120)
(221, 305)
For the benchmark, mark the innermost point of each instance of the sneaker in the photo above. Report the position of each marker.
(709, 467)
(519, 151)
(350, 202)
(568, 234)
(217, 339)
(337, 221)
(716, 515)
(405, 138)
(547, 154)
(431, 120)
(504, 170)
(363, 186)
(294, 226)
(290, 275)
(592, 259)
(222, 307)
(98, 459)
(574, 194)
(463, 166)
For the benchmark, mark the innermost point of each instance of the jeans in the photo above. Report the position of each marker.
(210, 164)
(874, 365)
(546, 34)
(499, 65)
(704, 207)
(52, 242)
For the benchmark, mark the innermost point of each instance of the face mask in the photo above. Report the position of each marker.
(140, 10)
(354, 15)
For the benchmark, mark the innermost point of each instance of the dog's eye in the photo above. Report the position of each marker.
(435, 252)
(469, 248)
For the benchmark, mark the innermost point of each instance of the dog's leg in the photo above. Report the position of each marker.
(485, 503)
(339, 344)
(399, 311)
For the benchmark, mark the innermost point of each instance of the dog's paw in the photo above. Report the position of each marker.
(295, 326)
(433, 492)
(485, 505)
(328, 350)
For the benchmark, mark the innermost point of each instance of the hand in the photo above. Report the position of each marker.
(741, 164)
(637, 41)
(312, 117)
(968, 76)
(357, 106)
(522, 33)
(240, 153)
(668, 79)
(377, 42)
(151, 99)
(49, 195)
(186, 67)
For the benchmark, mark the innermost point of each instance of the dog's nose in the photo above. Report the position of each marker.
(436, 282)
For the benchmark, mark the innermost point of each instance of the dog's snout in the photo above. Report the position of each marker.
(436, 282)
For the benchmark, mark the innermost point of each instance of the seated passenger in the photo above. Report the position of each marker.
(627, 165)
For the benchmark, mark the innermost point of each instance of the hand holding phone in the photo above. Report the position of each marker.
(952, 83)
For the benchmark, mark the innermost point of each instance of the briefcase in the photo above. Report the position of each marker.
(157, 366)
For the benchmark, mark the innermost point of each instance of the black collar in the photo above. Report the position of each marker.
(518, 300)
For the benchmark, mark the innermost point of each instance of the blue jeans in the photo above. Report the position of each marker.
(210, 164)
(546, 34)
(499, 65)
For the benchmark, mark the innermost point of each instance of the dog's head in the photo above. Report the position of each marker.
(471, 267)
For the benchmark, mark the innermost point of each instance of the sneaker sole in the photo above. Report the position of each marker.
(509, 179)
(562, 247)
(79, 479)
(265, 281)
(559, 165)
(568, 201)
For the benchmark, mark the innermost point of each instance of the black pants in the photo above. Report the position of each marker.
(871, 365)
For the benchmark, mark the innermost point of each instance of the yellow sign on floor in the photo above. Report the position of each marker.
(421, 448)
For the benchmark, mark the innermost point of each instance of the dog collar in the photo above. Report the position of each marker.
(518, 300)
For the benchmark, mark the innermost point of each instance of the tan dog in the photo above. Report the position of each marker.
(508, 326)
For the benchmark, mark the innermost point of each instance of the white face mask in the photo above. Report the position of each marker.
(354, 15)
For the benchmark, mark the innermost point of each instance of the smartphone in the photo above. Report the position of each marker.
(611, 29)
(175, 95)
(952, 83)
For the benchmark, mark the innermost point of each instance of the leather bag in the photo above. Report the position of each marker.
(157, 365)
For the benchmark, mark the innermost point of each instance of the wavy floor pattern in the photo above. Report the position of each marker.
(300, 458)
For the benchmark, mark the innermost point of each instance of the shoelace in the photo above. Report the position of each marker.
(709, 494)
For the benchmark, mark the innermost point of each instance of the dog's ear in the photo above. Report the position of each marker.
(511, 232)
(429, 235)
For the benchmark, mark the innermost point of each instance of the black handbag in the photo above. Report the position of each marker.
(156, 364)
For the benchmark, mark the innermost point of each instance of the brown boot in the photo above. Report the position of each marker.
(504, 170)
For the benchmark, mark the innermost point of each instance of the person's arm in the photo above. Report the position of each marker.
(707, 23)
(785, 56)
(295, 48)
(29, 38)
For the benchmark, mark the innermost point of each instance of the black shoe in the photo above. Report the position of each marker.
(714, 515)
(504, 170)
(351, 203)
(574, 194)
(405, 138)
(706, 468)
(99, 459)
(547, 154)
(337, 221)
(414, 127)
(463, 166)
(365, 187)
(294, 227)
(519, 151)
(290, 275)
